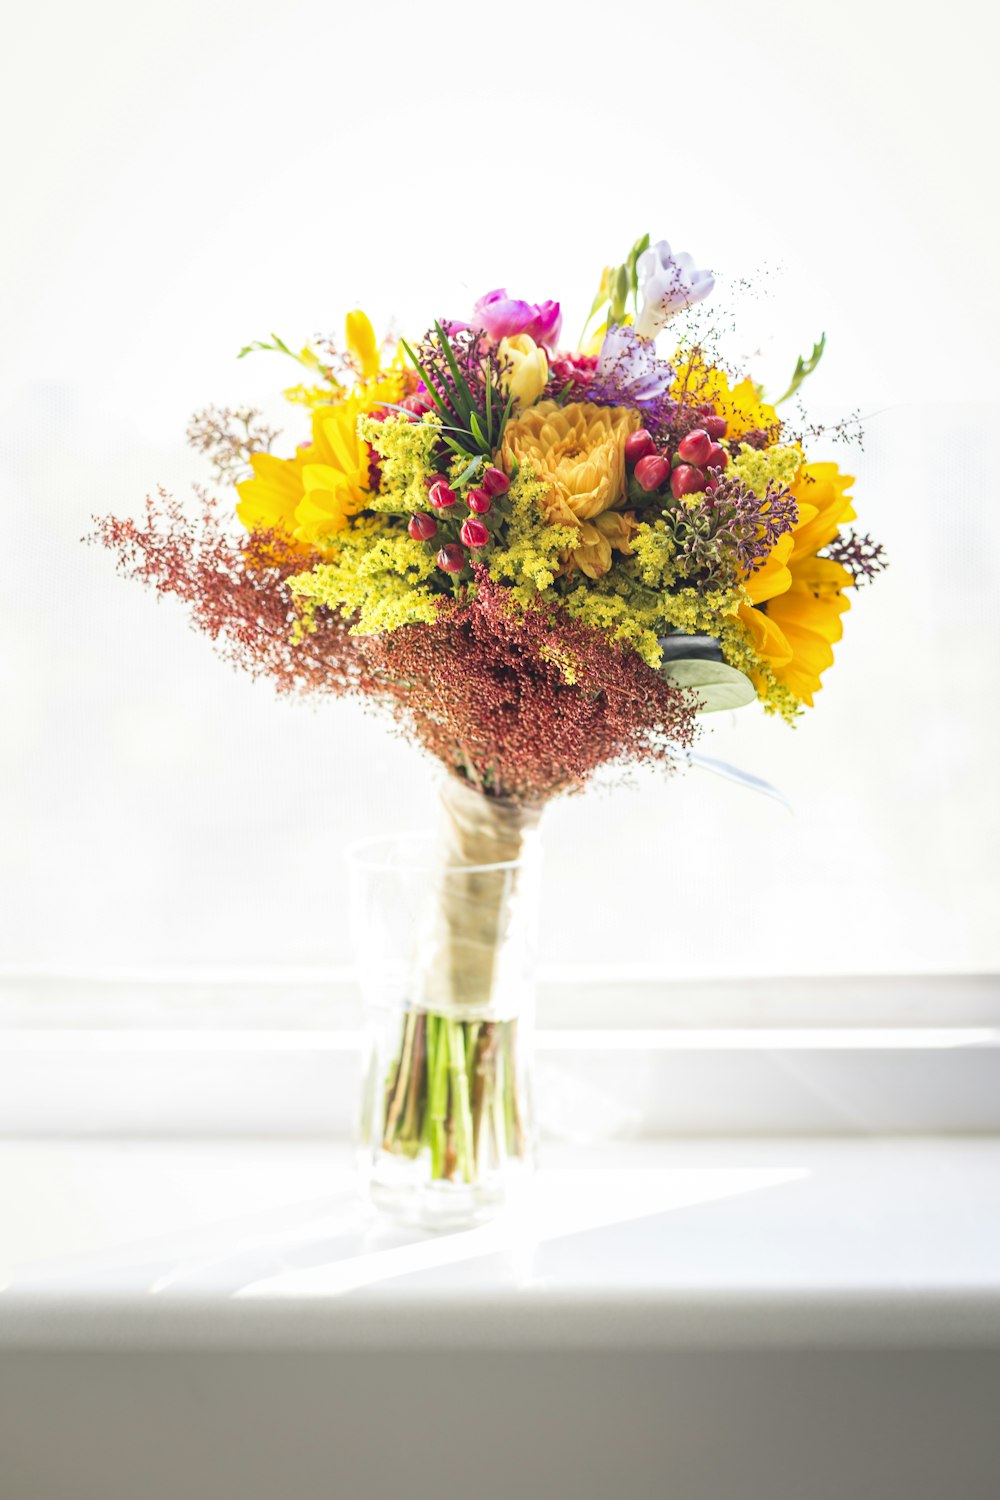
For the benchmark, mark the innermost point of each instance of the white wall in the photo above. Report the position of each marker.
(184, 178)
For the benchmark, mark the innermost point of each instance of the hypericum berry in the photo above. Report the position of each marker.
(711, 484)
(495, 482)
(686, 480)
(715, 427)
(441, 496)
(652, 472)
(479, 501)
(638, 445)
(717, 458)
(474, 533)
(432, 479)
(422, 527)
(451, 559)
(695, 448)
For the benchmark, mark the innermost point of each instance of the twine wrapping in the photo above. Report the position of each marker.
(478, 908)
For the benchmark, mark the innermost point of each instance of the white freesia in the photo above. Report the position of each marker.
(669, 283)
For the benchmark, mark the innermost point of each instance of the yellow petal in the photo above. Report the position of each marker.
(773, 577)
(361, 343)
(768, 640)
(822, 488)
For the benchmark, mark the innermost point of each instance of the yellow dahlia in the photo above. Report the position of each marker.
(578, 452)
(597, 538)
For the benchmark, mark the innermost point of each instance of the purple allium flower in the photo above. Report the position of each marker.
(504, 317)
(627, 366)
(669, 283)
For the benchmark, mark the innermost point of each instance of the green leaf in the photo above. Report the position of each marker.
(715, 684)
(477, 432)
(442, 409)
(641, 245)
(506, 418)
(276, 346)
(595, 306)
(803, 368)
(463, 395)
(619, 294)
(469, 469)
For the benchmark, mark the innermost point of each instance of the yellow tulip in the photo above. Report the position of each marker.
(527, 372)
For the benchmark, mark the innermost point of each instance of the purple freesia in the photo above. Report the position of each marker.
(628, 366)
(505, 317)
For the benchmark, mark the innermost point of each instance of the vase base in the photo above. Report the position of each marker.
(398, 1190)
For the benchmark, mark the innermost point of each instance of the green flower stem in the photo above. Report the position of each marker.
(410, 1128)
(400, 1082)
(453, 1091)
(461, 1111)
(515, 1138)
(499, 1109)
(437, 1095)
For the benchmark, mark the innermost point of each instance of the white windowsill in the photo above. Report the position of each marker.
(689, 1244)
(782, 1320)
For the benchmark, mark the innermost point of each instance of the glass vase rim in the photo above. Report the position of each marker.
(355, 850)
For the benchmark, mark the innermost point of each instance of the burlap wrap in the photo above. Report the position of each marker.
(483, 915)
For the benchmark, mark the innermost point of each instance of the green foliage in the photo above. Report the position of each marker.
(305, 357)
(469, 424)
(804, 368)
(616, 284)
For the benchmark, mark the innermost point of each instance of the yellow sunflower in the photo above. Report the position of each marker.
(797, 598)
(312, 495)
(700, 384)
(808, 615)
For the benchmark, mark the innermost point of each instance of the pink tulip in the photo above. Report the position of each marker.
(505, 317)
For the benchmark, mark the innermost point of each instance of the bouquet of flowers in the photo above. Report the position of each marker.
(540, 561)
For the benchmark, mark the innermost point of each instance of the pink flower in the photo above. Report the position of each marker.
(504, 317)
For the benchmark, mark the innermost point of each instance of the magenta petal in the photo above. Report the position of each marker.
(498, 295)
(504, 317)
(501, 315)
(547, 322)
(503, 320)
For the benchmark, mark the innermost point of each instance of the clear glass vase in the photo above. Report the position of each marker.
(444, 927)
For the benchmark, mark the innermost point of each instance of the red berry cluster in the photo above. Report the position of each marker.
(694, 467)
(473, 533)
